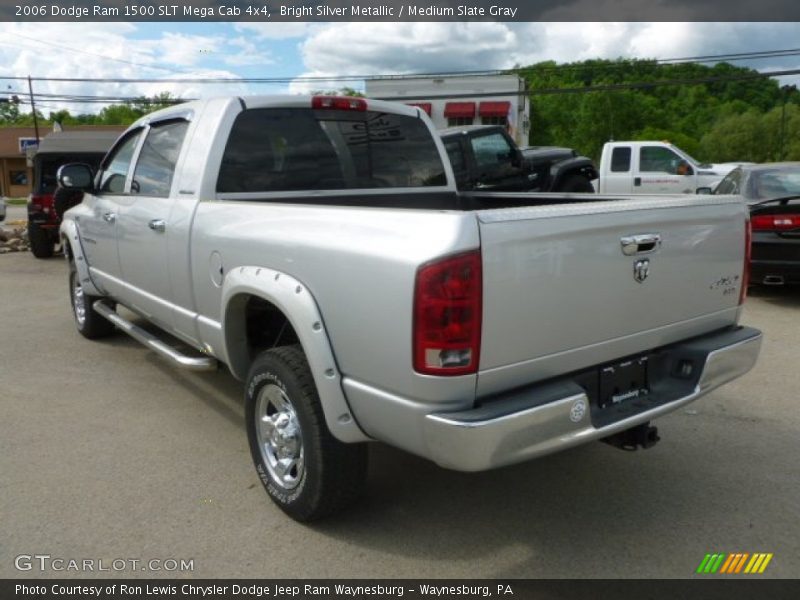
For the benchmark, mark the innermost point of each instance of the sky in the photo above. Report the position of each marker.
(292, 50)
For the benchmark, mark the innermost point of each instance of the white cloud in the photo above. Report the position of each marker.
(367, 48)
(183, 50)
(247, 53)
(393, 48)
(145, 50)
(84, 50)
(277, 31)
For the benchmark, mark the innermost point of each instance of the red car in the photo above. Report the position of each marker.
(58, 148)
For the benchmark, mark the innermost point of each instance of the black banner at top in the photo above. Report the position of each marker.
(398, 10)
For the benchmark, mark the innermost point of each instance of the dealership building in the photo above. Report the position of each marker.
(454, 100)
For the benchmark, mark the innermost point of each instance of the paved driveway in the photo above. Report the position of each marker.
(108, 453)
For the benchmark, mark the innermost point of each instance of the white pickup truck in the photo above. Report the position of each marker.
(318, 247)
(655, 168)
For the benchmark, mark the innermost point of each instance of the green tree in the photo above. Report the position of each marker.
(119, 114)
(739, 137)
(567, 108)
(9, 113)
(61, 116)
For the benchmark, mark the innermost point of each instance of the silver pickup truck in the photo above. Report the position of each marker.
(318, 247)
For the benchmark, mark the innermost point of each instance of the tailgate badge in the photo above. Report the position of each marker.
(641, 269)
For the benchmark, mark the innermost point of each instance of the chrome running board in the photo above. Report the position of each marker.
(193, 363)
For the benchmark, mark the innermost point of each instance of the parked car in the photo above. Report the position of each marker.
(58, 148)
(772, 192)
(2, 209)
(485, 157)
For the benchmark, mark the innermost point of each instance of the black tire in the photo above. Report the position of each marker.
(577, 184)
(321, 475)
(42, 245)
(90, 325)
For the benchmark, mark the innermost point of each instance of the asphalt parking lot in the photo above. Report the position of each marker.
(108, 453)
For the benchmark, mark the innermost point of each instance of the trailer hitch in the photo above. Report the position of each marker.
(642, 435)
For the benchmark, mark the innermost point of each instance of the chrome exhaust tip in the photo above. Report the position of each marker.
(774, 280)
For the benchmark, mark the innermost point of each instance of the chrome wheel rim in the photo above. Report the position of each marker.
(78, 302)
(279, 437)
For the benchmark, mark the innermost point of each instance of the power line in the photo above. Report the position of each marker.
(533, 92)
(50, 99)
(762, 54)
(734, 56)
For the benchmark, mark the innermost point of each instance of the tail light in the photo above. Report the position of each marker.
(748, 244)
(775, 222)
(338, 103)
(38, 203)
(447, 315)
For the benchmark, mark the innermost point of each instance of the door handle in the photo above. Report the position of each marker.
(637, 181)
(644, 243)
(159, 225)
(109, 217)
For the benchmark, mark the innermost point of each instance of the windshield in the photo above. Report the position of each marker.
(692, 159)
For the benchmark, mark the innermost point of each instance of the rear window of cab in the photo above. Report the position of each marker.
(296, 149)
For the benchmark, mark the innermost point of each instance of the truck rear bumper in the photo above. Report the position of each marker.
(542, 419)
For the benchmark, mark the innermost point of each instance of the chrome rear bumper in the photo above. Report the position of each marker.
(547, 418)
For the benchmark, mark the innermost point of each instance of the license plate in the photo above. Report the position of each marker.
(623, 382)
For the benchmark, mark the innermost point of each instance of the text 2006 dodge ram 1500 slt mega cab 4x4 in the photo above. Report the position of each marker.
(318, 247)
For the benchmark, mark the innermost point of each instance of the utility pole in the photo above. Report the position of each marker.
(786, 89)
(33, 109)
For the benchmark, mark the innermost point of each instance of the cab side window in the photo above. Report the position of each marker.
(456, 155)
(730, 184)
(458, 161)
(491, 151)
(621, 159)
(115, 168)
(156, 164)
(656, 159)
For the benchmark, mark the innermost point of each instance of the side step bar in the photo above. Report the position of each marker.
(199, 363)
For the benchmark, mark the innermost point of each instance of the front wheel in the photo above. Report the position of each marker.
(307, 472)
(90, 324)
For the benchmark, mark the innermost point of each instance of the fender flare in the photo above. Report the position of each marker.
(73, 250)
(577, 164)
(297, 304)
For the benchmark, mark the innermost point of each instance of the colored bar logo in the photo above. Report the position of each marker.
(735, 563)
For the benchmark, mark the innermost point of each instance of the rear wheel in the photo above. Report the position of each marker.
(42, 245)
(307, 472)
(576, 184)
(90, 324)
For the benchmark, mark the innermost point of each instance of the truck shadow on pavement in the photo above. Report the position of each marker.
(788, 296)
(593, 511)
(218, 390)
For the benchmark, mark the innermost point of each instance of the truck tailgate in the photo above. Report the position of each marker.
(561, 293)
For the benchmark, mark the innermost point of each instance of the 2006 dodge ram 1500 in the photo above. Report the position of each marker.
(319, 248)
